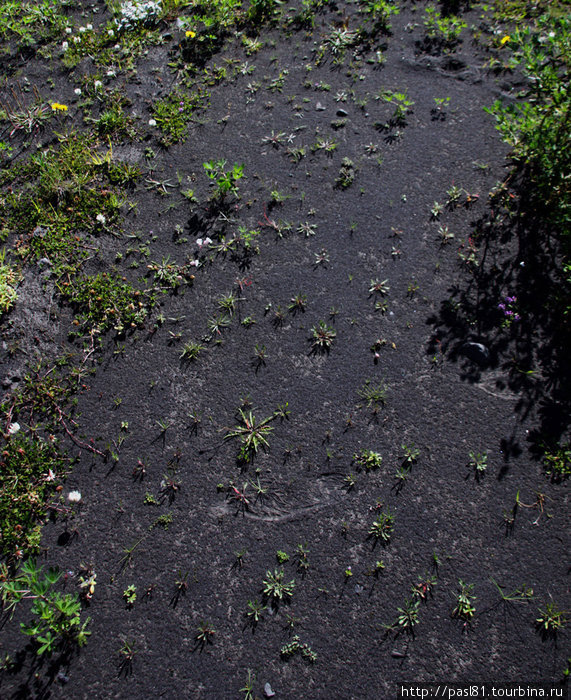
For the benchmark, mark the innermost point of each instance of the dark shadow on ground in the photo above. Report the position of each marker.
(510, 312)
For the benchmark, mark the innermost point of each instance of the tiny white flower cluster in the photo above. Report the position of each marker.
(134, 12)
(74, 496)
(100, 218)
(202, 242)
(76, 39)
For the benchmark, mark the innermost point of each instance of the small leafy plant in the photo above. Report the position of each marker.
(130, 595)
(347, 174)
(410, 454)
(383, 526)
(254, 612)
(57, 624)
(295, 647)
(443, 31)
(302, 555)
(367, 460)
(275, 588)
(551, 618)
(465, 608)
(478, 462)
(408, 615)
(379, 287)
(423, 588)
(224, 181)
(282, 557)
(402, 104)
(204, 634)
(322, 337)
(127, 653)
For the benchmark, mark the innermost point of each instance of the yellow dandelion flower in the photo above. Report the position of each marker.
(505, 40)
(57, 107)
(190, 34)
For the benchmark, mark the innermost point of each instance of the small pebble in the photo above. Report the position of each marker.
(268, 691)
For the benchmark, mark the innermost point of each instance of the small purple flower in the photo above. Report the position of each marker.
(509, 309)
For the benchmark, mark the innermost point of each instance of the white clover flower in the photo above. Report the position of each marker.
(77, 91)
(68, 30)
(100, 218)
(110, 32)
(74, 496)
(194, 263)
(77, 40)
(90, 27)
(199, 242)
(13, 428)
(82, 30)
(152, 122)
(98, 84)
(111, 73)
(64, 46)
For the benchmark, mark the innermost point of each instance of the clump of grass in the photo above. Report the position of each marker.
(9, 278)
(174, 113)
(253, 434)
(374, 395)
(191, 350)
(557, 461)
(25, 492)
(105, 301)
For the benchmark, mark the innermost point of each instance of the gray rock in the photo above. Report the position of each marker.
(319, 107)
(342, 113)
(268, 691)
(476, 352)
